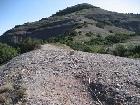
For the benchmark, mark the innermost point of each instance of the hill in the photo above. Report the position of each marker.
(81, 27)
(56, 74)
(82, 18)
(59, 75)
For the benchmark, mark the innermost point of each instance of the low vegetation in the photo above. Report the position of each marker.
(8, 52)
(73, 9)
(11, 94)
(100, 25)
(132, 51)
(109, 44)
(29, 44)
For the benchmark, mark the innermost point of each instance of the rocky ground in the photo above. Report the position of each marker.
(60, 76)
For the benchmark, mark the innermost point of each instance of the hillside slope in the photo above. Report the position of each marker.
(83, 18)
(57, 76)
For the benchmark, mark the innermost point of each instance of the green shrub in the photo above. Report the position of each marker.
(132, 51)
(100, 25)
(111, 39)
(80, 46)
(100, 44)
(99, 49)
(117, 38)
(102, 50)
(119, 50)
(29, 44)
(7, 53)
(96, 41)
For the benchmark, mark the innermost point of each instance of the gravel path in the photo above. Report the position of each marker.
(57, 76)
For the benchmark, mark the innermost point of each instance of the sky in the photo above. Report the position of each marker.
(17, 12)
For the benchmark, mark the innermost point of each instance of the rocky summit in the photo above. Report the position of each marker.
(55, 75)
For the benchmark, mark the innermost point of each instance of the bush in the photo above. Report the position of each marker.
(96, 41)
(111, 39)
(98, 49)
(117, 38)
(100, 44)
(80, 46)
(132, 51)
(119, 50)
(100, 25)
(7, 53)
(29, 44)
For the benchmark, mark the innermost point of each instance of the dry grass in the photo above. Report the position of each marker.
(12, 94)
(2, 99)
(6, 88)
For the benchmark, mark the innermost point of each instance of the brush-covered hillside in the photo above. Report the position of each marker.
(82, 18)
(84, 27)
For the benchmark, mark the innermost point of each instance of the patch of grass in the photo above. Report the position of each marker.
(6, 88)
(98, 49)
(12, 94)
(2, 99)
(4, 94)
(20, 94)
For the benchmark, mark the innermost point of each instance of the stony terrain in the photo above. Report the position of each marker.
(60, 76)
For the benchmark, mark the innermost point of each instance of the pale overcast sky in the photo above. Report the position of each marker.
(15, 12)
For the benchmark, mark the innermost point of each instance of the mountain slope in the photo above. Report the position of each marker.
(81, 18)
(54, 75)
